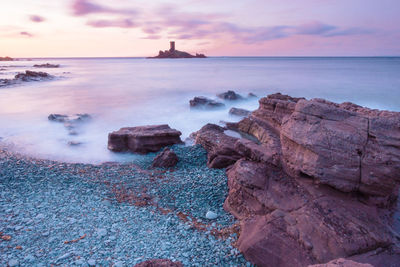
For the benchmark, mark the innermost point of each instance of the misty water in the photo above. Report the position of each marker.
(120, 92)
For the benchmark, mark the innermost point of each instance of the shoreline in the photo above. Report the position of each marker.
(110, 207)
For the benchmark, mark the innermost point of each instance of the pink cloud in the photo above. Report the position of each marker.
(85, 7)
(121, 23)
(36, 18)
(27, 34)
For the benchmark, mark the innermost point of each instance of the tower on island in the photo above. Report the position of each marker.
(172, 46)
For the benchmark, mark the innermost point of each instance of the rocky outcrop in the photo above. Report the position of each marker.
(342, 263)
(230, 95)
(32, 76)
(6, 59)
(143, 139)
(239, 112)
(319, 182)
(47, 65)
(27, 76)
(166, 159)
(177, 54)
(159, 263)
(204, 102)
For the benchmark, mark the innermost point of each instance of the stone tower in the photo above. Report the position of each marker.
(172, 46)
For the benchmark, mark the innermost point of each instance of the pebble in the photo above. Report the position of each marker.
(92, 262)
(211, 215)
(13, 262)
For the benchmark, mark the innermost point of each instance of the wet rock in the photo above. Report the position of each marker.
(251, 95)
(166, 159)
(229, 95)
(32, 76)
(143, 139)
(47, 65)
(204, 102)
(239, 112)
(159, 263)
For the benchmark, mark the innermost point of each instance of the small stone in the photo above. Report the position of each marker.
(92, 262)
(101, 232)
(211, 215)
(119, 264)
(13, 262)
(29, 258)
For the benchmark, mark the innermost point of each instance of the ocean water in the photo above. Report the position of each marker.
(120, 92)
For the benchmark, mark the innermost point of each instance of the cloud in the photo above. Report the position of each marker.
(85, 7)
(176, 24)
(120, 23)
(36, 18)
(27, 34)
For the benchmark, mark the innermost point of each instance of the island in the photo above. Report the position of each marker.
(6, 59)
(173, 53)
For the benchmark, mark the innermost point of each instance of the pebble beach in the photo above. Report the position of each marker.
(114, 214)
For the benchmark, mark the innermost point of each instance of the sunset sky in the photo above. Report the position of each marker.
(86, 28)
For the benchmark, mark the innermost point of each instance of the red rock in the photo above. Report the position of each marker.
(220, 147)
(159, 263)
(319, 182)
(143, 139)
(166, 159)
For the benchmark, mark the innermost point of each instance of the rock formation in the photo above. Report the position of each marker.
(27, 76)
(6, 59)
(143, 139)
(47, 65)
(204, 102)
(319, 182)
(166, 159)
(173, 53)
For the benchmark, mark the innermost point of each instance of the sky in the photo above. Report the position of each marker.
(122, 28)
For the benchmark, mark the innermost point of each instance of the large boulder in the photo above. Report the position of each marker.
(220, 147)
(239, 112)
(166, 159)
(143, 139)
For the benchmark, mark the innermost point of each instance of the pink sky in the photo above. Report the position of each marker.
(68, 28)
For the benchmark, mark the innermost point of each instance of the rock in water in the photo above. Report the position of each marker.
(159, 263)
(229, 95)
(143, 139)
(204, 102)
(32, 76)
(239, 112)
(211, 215)
(47, 65)
(166, 159)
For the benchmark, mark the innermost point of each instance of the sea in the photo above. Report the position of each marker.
(122, 92)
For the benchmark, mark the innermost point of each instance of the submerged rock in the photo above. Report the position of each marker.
(32, 76)
(80, 117)
(201, 101)
(159, 263)
(166, 159)
(143, 139)
(239, 112)
(319, 183)
(47, 65)
(229, 95)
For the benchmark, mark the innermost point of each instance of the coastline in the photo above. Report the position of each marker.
(62, 213)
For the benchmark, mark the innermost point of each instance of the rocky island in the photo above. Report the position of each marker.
(173, 53)
(6, 59)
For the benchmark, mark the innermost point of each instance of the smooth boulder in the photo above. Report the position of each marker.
(204, 102)
(143, 139)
